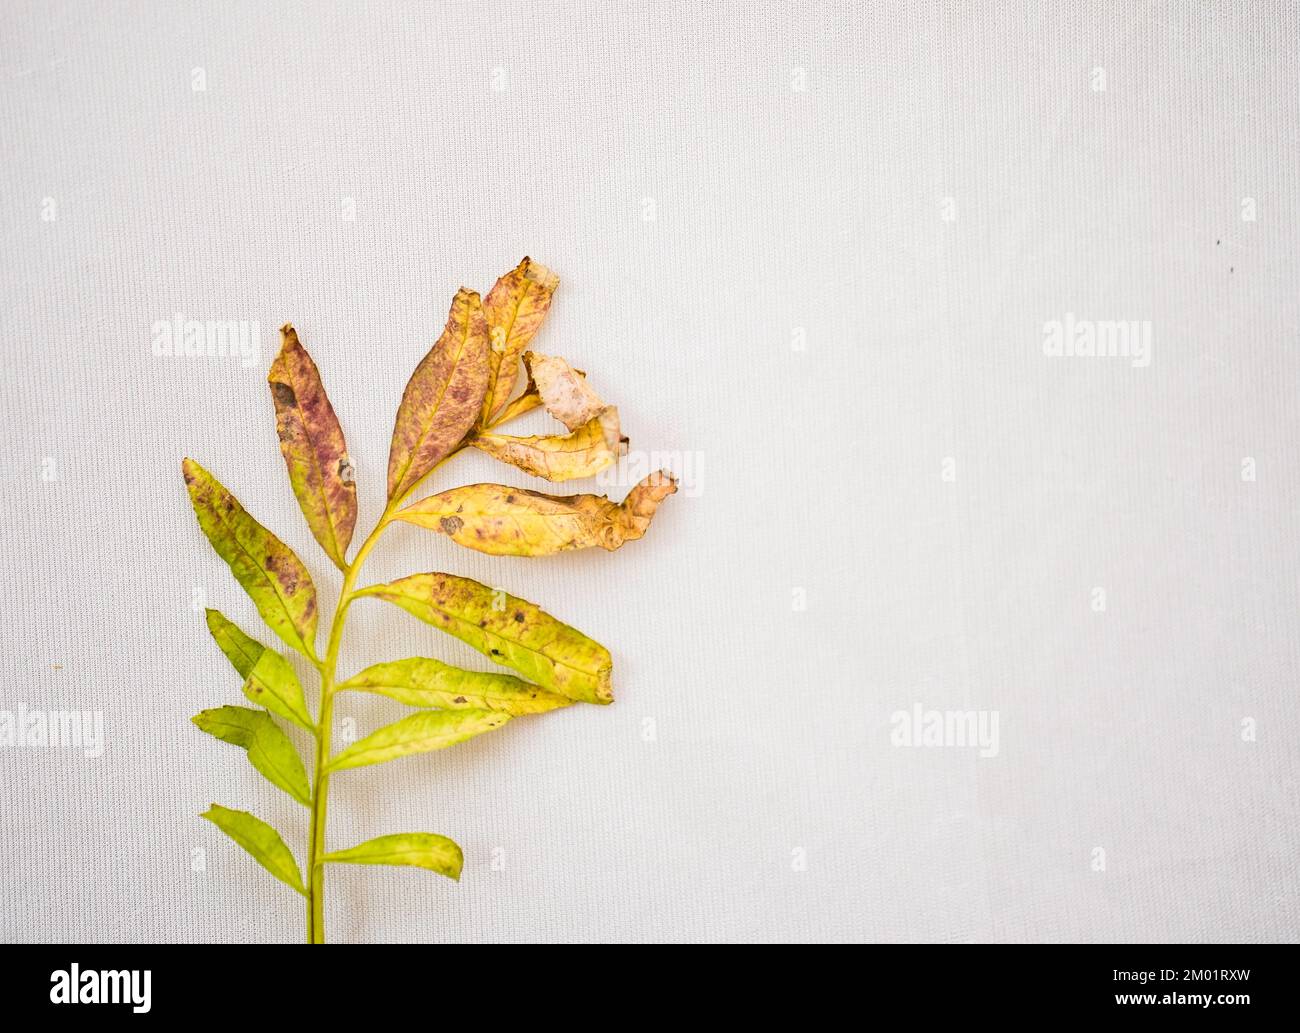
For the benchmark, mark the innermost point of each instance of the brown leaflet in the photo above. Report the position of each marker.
(563, 390)
(443, 398)
(502, 521)
(313, 446)
(526, 402)
(514, 309)
(584, 453)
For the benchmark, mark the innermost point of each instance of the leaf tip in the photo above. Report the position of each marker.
(288, 343)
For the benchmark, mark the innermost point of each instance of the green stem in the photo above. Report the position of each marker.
(324, 727)
(320, 787)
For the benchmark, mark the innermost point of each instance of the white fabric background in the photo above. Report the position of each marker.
(774, 209)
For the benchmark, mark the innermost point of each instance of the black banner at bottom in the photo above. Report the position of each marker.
(138, 983)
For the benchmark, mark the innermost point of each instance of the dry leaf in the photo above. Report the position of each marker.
(514, 309)
(591, 448)
(504, 521)
(443, 397)
(313, 447)
(563, 390)
(526, 402)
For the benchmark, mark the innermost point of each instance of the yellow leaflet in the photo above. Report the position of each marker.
(504, 521)
(423, 682)
(272, 684)
(514, 309)
(415, 849)
(271, 574)
(509, 630)
(419, 733)
(584, 453)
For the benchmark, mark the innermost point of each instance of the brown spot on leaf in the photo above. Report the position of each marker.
(519, 616)
(451, 524)
(284, 395)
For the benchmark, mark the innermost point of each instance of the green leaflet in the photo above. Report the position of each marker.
(272, 684)
(509, 630)
(269, 680)
(423, 682)
(241, 650)
(419, 733)
(269, 749)
(270, 573)
(417, 849)
(260, 840)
